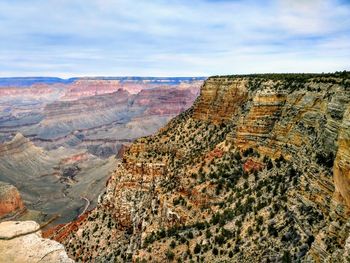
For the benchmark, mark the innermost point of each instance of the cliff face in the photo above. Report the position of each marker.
(341, 167)
(59, 138)
(256, 171)
(10, 200)
(220, 100)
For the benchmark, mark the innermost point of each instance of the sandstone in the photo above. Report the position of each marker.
(22, 242)
(220, 99)
(60, 139)
(12, 229)
(342, 161)
(246, 175)
(10, 200)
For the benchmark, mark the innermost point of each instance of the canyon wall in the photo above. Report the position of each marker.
(10, 200)
(256, 171)
(60, 139)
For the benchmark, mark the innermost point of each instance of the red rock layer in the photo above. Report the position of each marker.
(10, 200)
(251, 165)
(165, 101)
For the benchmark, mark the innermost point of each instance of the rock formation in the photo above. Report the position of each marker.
(256, 171)
(22, 242)
(266, 118)
(10, 200)
(88, 112)
(341, 163)
(54, 181)
(59, 139)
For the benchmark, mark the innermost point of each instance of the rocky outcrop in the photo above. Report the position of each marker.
(341, 167)
(22, 242)
(17, 145)
(220, 99)
(59, 138)
(247, 175)
(10, 200)
(64, 117)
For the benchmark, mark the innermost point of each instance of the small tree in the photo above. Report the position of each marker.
(197, 249)
(250, 231)
(170, 255)
(173, 244)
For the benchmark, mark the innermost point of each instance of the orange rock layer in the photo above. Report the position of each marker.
(10, 200)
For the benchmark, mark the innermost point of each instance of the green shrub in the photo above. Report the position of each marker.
(197, 249)
(170, 255)
(173, 244)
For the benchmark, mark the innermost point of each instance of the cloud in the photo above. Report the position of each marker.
(172, 38)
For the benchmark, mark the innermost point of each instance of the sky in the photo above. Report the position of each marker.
(66, 38)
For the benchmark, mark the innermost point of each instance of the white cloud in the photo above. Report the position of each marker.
(176, 37)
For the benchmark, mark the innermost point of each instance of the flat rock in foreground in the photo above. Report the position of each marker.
(22, 242)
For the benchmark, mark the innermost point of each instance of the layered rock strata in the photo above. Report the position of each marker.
(10, 200)
(256, 171)
(59, 139)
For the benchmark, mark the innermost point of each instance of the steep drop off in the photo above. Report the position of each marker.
(59, 139)
(256, 171)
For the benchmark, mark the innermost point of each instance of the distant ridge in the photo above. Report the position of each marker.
(28, 81)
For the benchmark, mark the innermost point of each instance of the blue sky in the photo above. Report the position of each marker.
(68, 38)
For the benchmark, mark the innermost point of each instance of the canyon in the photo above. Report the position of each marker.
(257, 170)
(61, 138)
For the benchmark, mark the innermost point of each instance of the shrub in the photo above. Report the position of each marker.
(173, 244)
(208, 234)
(250, 231)
(190, 235)
(269, 165)
(230, 254)
(326, 160)
(272, 230)
(248, 152)
(286, 258)
(259, 220)
(220, 239)
(197, 249)
(170, 255)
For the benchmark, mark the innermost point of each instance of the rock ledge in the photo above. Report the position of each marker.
(22, 242)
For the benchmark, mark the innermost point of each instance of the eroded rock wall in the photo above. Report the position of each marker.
(251, 165)
(10, 200)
